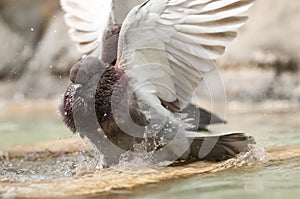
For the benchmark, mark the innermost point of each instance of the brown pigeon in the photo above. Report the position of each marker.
(134, 89)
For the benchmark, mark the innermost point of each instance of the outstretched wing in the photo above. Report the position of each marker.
(167, 45)
(87, 21)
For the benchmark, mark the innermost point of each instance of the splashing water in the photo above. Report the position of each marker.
(47, 165)
(137, 163)
(255, 155)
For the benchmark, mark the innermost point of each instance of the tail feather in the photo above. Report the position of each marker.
(206, 118)
(226, 146)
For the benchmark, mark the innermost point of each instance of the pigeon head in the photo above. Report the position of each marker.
(78, 102)
(82, 72)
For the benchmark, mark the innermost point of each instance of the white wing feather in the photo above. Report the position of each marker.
(167, 45)
(87, 20)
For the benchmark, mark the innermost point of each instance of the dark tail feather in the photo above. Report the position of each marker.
(206, 118)
(227, 146)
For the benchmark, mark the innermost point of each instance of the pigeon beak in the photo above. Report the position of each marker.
(77, 86)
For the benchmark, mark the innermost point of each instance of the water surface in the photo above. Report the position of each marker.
(270, 128)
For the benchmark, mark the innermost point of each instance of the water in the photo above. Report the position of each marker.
(30, 122)
(269, 127)
(275, 181)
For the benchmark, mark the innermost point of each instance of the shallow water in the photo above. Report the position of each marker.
(275, 181)
(47, 165)
(29, 123)
(269, 128)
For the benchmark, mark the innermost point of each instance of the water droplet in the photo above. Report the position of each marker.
(31, 29)
(50, 66)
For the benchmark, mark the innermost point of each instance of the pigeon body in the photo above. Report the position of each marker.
(133, 90)
(89, 110)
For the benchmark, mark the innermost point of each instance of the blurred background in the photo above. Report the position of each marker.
(36, 52)
(260, 69)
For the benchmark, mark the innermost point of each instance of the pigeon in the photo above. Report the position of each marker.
(132, 92)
